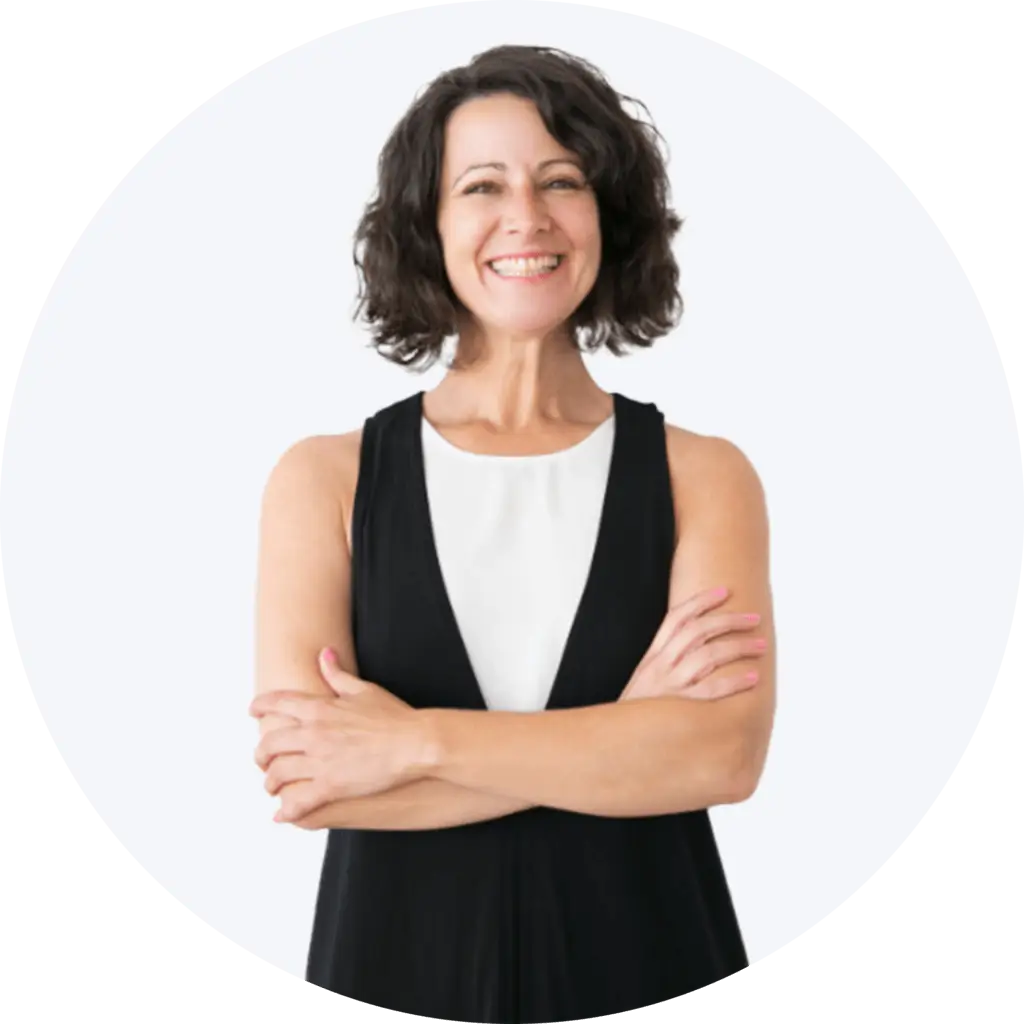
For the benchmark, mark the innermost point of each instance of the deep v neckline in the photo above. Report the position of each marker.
(436, 584)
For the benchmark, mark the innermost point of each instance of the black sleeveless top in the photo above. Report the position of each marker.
(544, 914)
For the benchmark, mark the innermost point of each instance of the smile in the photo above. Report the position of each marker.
(525, 270)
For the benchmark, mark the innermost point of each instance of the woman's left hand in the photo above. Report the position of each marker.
(360, 741)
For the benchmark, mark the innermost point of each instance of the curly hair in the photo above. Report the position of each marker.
(404, 292)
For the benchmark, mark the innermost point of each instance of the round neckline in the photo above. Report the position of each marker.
(429, 430)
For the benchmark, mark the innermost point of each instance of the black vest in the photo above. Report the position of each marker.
(545, 914)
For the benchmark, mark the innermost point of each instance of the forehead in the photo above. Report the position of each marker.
(502, 128)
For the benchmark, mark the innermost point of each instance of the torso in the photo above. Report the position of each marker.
(685, 448)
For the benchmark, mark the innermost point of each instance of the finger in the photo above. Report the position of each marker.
(722, 651)
(284, 722)
(692, 641)
(337, 678)
(289, 768)
(726, 622)
(302, 800)
(289, 739)
(305, 707)
(682, 612)
(264, 703)
(699, 603)
(716, 689)
(694, 658)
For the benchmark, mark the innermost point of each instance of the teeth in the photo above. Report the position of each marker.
(525, 267)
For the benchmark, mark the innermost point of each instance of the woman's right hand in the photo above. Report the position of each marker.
(685, 650)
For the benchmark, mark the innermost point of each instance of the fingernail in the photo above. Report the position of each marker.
(328, 655)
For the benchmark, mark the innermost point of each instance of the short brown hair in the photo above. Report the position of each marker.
(404, 292)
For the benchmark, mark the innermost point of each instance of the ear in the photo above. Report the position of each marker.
(337, 678)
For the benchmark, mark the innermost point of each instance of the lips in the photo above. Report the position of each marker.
(535, 255)
(559, 257)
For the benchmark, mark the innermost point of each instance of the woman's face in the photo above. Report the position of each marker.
(529, 197)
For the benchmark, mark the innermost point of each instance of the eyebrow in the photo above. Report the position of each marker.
(503, 167)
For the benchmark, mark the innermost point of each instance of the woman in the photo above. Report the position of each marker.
(490, 657)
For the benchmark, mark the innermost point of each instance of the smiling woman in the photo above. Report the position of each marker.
(536, 179)
(542, 676)
(520, 132)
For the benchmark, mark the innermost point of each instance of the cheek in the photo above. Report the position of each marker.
(461, 244)
(588, 245)
(585, 231)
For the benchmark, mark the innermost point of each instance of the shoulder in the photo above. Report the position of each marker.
(320, 466)
(710, 473)
(699, 456)
(324, 460)
(321, 469)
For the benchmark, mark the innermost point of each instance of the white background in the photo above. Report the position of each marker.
(201, 324)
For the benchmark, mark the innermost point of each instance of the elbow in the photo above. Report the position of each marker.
(742, 775)
(728, 785)
(738, 787)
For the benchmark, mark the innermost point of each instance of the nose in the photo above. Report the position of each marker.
(525, 210)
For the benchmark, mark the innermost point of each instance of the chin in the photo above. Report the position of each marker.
(519, 321)
(531, 328)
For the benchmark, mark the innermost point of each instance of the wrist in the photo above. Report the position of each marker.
(426, 746)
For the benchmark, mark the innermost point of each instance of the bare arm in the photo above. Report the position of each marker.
(693, 755)
(642, 757)
(422, 804)
(655, 756)
(303, 603)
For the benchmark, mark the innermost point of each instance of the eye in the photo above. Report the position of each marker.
(482, 186)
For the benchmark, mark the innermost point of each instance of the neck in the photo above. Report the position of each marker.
(518, 384)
